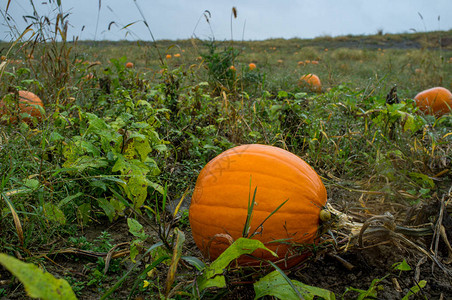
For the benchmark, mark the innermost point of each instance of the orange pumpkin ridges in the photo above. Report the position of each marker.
(312, 81)
(435, 101)
(220, 202)
(27, 104)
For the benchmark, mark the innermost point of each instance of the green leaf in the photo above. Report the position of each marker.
(38, 283)
(283, 94)
(136, 228)
(85, 162)
(32, 183)
(69, 199)
(422, 178)
(402, 266)
(137, 186)
(300, 95)
(107, 207)
(84, 212)
(194, 261)
(53, 213)
(213, 277)
(415, 289)
(142, 147)
(55, 136)
(274, 284)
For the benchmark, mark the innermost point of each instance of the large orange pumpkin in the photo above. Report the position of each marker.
(219, 203)
(28, 103)
(435, 101)
(312, 81)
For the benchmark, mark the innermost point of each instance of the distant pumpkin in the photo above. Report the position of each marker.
(177, 55)
(232, 68)
(252, 66)
(28, 103)
(168, 56)
(88, 76)
(312, 81)
(129, 65)
(435, 101)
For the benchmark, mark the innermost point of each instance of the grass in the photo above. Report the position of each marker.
(124, 143)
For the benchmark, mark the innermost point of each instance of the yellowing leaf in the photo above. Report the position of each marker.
(38, 283)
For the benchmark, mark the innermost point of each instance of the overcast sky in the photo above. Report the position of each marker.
(256, 20)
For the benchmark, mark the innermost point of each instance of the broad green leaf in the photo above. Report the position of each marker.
(85, 162)
(37, 283)
(53, 213)
(137, 187)
(55, 136)
(213, 277)
(275, 285)
(136, 228)
(69, 199)
(143, 148)
(109, 209)
(32, 183)
(118, 205)
(84, 212)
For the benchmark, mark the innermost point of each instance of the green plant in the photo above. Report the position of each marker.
(221, 75)
(120, 146)
(375, 286)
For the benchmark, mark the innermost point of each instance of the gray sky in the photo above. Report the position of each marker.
(257, 19)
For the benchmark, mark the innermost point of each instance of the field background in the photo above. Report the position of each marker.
(65, 203)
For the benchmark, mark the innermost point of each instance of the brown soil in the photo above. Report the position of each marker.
(331, 268)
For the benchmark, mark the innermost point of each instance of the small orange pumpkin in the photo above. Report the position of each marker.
(232, 68)
(435, 101)
(129, 65)
(168, 56)
(252, 66)
(219, 202)
(27, 104)
(312, 81)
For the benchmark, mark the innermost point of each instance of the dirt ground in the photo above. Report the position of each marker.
(334, 268)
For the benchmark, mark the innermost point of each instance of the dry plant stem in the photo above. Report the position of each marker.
(436, 234)
(345, 263)
(89, 253)
(219, 235)
(110, 255)
(422, 250)
(390, 228)
(443, 234)
(388, 221)
(417, 273)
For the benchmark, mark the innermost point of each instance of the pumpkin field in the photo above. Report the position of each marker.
(204, 169)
